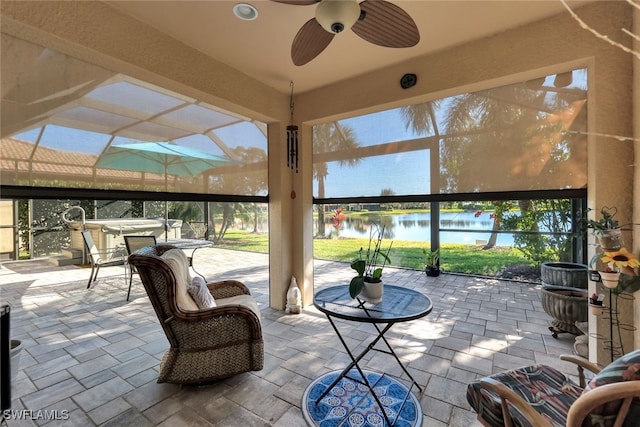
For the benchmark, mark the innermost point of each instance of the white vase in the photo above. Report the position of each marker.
(372, 292)
(610, 280)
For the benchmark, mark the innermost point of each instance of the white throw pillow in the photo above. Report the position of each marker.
(179, 263)
(200, 293)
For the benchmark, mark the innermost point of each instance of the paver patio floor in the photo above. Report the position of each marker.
(94, 356)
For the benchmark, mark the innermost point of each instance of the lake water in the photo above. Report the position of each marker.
(417, 226)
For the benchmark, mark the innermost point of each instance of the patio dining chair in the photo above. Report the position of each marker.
(101, 258)
(133, 243)
(541, 396)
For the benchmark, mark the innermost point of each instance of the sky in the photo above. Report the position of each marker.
(403, 173)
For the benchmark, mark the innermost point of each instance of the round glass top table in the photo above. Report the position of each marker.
(190, 244)
(398, 305)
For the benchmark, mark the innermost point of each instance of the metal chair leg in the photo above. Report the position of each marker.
(130, 281)
(91, 279)
(97, 270)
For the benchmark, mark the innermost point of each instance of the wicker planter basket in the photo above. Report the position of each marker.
(567, 306)
(564, 274)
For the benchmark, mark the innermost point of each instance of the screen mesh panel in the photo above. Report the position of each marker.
(525, 136)
(66, 123)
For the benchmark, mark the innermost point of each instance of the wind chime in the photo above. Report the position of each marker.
(292, 138)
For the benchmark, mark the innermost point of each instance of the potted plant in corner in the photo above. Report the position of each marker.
(368, 283)
(431, 262)
(606, 229)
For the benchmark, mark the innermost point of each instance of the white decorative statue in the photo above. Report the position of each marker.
(294, 298)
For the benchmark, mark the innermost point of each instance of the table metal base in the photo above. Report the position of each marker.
(362, 378)
(400, 304)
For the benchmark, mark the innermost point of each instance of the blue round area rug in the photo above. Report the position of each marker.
(351, 404)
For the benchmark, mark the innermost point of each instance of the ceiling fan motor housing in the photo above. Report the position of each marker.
(336, 16)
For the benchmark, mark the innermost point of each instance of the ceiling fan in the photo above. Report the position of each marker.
(376, 21)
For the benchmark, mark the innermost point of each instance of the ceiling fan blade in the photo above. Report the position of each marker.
(386, 24)
(309, 42)
(297, 2)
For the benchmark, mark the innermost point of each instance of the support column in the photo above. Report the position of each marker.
(604, 151)
(280, 218)
(303, 218)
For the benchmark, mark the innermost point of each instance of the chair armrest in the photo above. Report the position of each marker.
(221, 318)
(508, 395)
(111, 251)
(597, 397)
(582, 364)
(227, 289)
(110, 257)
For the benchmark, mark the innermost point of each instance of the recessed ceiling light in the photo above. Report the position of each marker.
(245, 11)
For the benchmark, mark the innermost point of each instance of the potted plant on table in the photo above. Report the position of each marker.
(431, 262)
(369, 265)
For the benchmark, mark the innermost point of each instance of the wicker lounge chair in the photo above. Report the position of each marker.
(205, 344)
(542, 396)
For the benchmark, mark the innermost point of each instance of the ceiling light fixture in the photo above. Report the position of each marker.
(245, 11)
(336, 16)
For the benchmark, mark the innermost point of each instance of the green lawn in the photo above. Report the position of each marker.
(469, 259)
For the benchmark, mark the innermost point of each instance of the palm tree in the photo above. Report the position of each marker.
(511, 122)
(514, 122)
(327, 138)
(421, 117)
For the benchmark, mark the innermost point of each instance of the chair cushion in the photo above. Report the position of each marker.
(548, 390)
(626, 368)
(244, 299)
(200, 293)
(179, 263)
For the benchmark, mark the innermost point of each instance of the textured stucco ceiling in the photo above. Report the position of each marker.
(261, 48)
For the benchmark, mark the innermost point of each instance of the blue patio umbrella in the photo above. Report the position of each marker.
(159, 157)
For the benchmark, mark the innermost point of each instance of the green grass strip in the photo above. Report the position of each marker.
(468, 259)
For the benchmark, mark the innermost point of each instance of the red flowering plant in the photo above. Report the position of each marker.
(337, 218)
